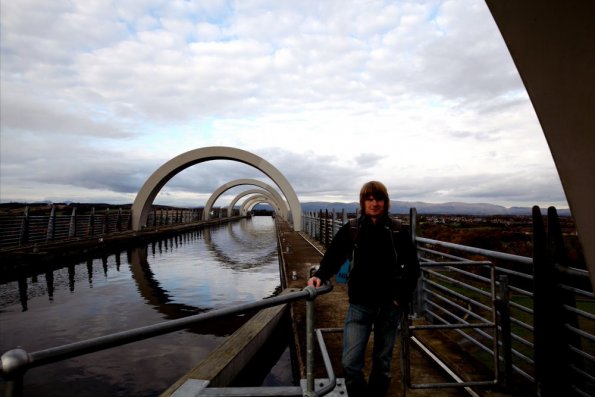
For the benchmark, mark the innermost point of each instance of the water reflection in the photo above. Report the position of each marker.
(151, 289)
(243, 247)
(165, 279)
(231, 251)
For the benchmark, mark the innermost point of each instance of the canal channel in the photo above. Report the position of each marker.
(191, 273)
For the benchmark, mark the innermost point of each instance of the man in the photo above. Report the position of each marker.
(382, 279)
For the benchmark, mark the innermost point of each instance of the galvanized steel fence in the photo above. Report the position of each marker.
(18, 230)
(530, 321)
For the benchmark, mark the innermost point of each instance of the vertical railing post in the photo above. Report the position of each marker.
(24, 234)
(405, 360)
(304, 223)
(550, 355)
(418, 301)
(14, 387)
(310, 345)
(91, 231)
(72, 226)
(51, 232)
(105, 226)
(565, 339)
(320, 226)
(503, 307)
(119, 220)
(333, 219)
(326, 232)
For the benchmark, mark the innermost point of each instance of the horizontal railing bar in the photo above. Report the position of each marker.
(582, 353)
(458, 295)
(456, 305)
(59, 353)
(578, 291)
(452, 385)
(460, 283)
(580, 332)
(264, 391)
(509, 272)
(523, 357)
(584, 374)
(443, 254)
(464, 335)
(573, 271)
(480, 251)
(522, 341)
(520, 307)
(451, 326)
(447, 263)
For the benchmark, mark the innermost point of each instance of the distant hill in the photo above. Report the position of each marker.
(452, 208)
(397, 207)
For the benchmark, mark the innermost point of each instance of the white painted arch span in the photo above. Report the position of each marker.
(146, 195)
(252, 202)
(239, 182)
(277, 207)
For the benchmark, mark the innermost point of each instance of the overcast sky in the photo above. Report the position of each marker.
(422, 95)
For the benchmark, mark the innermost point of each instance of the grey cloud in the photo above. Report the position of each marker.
(528, 186)
(27, 113)
(367, 159)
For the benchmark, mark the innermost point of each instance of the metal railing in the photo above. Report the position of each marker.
(16, 362)
(59, 224)
(460, 301)
(526, 311)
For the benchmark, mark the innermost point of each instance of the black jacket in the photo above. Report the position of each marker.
(380, 272)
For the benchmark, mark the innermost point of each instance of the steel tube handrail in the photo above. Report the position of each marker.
(480, 251)
(17, 361)
(462, 284)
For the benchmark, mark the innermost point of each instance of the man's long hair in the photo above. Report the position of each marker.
(378, 191)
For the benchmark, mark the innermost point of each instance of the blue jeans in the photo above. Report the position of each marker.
(358, 326)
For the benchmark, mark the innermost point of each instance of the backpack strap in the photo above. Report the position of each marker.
(353, 232)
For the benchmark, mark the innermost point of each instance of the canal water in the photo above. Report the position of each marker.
(188, 274)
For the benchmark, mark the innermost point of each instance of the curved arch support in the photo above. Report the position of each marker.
(146, 195)
(253, 201)
(278, 208)
(255, 182)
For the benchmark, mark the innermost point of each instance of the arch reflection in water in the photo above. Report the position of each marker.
(170, 278)
(239, 264)
(247, 246)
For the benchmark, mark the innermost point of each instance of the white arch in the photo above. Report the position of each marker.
(255, 182)
(252, 201)
(278, 208)
(146, 195)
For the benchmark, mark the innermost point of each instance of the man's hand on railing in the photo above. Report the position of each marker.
(315, 282)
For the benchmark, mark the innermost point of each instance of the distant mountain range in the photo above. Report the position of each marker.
(397, 207)
(452, 208)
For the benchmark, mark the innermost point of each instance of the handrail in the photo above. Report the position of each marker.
(491, 254)
(15, 362)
